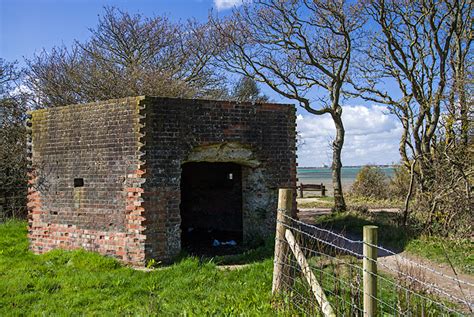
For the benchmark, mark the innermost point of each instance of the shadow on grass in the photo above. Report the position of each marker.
(390, 234)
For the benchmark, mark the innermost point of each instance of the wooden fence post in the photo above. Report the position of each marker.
(285, 206)
(317, 290)
(370, 271)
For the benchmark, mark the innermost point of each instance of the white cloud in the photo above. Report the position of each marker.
(372, 136)
(227, 4)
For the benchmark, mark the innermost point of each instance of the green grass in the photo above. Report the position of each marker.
(460, 252)
(258, 254)
(64, 283)
(84, 283)
(351, 201)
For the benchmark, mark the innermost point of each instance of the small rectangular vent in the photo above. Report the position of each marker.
(78, 182)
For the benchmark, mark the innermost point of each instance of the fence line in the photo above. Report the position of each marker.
(342, 249)
(388, 251)
(333, 263)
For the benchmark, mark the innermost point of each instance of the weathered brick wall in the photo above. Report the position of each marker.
(129, 154)
(100, 144)
(260, 137)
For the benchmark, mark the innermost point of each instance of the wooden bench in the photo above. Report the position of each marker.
(312, 187)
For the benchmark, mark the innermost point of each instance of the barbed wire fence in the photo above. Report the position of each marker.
(321, 273)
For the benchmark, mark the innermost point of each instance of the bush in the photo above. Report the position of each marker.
(370, 182)
(445, 205)
(399, 183)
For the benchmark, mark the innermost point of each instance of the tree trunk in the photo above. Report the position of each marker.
(339, 203)
(464, 105)
(410, 192)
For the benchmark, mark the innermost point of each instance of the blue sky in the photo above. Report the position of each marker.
(28, 26)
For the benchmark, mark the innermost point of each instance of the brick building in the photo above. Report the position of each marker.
(136, 178)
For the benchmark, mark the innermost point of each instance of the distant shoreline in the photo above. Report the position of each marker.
(323, 175)
(348, 166)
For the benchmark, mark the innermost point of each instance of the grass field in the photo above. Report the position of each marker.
(351, 201)
(68, 283)
(64, 283)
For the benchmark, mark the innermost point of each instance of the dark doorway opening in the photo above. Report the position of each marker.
(211, 208)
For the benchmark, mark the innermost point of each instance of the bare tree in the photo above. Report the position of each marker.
(410, 48)
(127, 55)
(461, 63)
(12, 143)
(300, 49)
(416, 61)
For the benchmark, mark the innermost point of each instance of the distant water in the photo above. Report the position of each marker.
(323, 175)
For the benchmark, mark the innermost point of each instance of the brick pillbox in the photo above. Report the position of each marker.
(127, 177)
